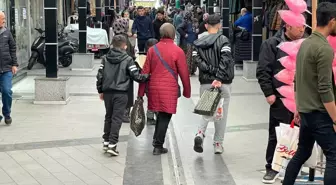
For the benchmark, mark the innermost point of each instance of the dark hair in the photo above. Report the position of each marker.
(119, 41)
(161, 11)
(213, 19)
(325, 12)
(151, 42)
(140, 7)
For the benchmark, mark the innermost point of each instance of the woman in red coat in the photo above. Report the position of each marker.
(163, 88)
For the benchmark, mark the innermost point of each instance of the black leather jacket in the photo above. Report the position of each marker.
(213, 57)
(116, 71)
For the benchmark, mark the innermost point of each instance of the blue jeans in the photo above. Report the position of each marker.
(6, 93)
(315, 126)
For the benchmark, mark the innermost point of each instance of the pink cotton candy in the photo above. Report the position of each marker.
(287, 91)
(291, 18)
(334, 61)
(332, 42)
(288, 62)
(334, 70)
(286, 76)
(297, 6)
(290, 48)
(298, 43)
(289, 104)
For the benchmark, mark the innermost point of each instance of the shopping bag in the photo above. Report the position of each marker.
(208, 102)
(138, 117)
(218, 113)
(286, 147)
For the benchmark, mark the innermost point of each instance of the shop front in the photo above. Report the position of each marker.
(23, 16)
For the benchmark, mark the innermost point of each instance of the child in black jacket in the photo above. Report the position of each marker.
(113, 81)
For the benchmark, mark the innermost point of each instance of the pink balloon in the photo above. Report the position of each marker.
(286, 76)
(297, 6)
(287, 91)
(288, 62)
(289, 104)
(291, 18)
(332, 42)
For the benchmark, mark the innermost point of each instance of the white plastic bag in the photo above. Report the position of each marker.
(288, 139)
(218, 114)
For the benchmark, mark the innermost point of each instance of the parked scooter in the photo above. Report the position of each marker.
(65, 50)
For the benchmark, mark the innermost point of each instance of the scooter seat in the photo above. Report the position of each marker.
(61, 44)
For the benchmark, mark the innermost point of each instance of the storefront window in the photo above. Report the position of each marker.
(22, 31)
(36, 17)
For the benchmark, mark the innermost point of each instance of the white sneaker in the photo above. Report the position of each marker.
(218, 148)
(105, 145)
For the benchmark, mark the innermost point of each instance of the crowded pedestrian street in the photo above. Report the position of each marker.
(53, 144)
(168, 92)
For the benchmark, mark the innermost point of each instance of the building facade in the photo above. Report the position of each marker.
(23, 16)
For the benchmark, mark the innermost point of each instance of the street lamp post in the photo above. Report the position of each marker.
(98, 10)
(51, 37)
(82, 10)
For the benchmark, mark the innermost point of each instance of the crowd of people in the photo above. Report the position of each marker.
(194, 41)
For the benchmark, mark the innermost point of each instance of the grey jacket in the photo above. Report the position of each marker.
(8, 57)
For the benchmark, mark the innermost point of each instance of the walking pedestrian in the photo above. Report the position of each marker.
(216, 70)
(113, 81)
(164, 65)
(158, 22)
(120, 26)
(269, 66)
(315, 97)
(188, 35)
(142, 29)
(8, 61)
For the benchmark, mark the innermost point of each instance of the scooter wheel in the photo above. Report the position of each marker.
(67, 61)
(32, 60)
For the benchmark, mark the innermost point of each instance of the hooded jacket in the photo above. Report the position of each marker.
(116, 71)
(213, 57)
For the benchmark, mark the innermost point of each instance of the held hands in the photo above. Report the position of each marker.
(271, 99)
(135, 35)
(216, 84)
(14, 70)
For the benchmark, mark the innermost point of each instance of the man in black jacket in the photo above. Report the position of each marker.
(158, 22)
(269, 66)
(113, 81)
(214, 59)
(142, 29)
(8, 68)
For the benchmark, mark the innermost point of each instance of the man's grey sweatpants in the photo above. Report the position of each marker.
(220, 125)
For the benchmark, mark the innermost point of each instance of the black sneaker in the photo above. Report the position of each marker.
(159, 151)
(113, 150)
(270, 177)
(105, 145)
(198, 143)
(8, 120)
